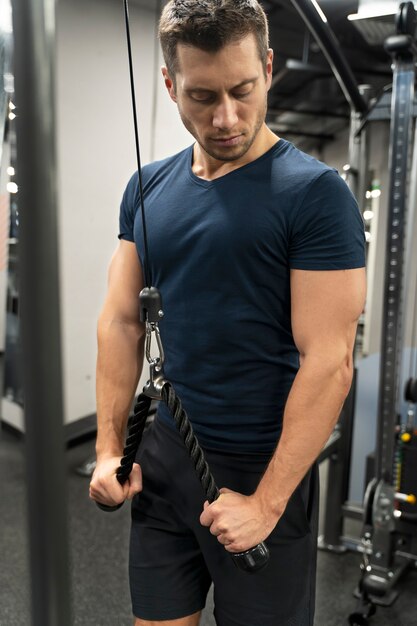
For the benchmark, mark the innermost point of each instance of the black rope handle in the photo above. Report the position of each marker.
(136, 427)
(251, 560)
(194, 450)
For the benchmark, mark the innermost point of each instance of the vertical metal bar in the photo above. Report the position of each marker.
(409, 271)
(363, 158)
(354, 152)
(34, 32)
(391, 350)
(358, 174)
(306, 46)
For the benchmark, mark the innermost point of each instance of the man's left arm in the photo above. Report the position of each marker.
(325, 307)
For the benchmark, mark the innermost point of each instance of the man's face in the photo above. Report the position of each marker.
(222, 96)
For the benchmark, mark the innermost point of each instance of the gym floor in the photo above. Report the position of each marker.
(99, 542)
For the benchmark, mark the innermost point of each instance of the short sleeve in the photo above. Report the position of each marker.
(128, 208)
(327, 231)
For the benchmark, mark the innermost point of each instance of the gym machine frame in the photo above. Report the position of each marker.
(34, 60)
(389, 534)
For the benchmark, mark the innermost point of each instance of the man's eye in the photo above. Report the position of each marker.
(202, 97)
(242, 94)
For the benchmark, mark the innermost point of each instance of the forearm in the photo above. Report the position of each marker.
(312, 410)
(119, 365)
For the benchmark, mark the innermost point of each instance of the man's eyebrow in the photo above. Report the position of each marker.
(207, 90)
(246, 82)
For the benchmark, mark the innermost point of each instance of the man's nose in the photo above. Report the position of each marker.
(225, 115)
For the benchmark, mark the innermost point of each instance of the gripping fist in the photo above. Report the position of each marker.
(106, 489)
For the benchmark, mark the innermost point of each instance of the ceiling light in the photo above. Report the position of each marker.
(374, 8)
(12, 187)
(368, 215)
(11, 116)
(318, 9)
(366, 16)
(10, 171)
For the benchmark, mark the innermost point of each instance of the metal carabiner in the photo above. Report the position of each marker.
(150, 328)
(151, 312)
(153, 387)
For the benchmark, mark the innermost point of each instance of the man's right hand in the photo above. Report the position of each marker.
(106, 489)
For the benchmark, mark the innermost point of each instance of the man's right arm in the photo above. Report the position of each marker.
(119, 365)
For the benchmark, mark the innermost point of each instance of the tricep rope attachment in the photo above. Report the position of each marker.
(160, 389)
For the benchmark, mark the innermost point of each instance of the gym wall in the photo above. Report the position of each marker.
(96, 157)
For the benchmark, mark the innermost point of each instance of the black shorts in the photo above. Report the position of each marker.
(174, 560)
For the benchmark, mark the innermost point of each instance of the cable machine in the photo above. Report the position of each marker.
(389, 541)
(389, 538)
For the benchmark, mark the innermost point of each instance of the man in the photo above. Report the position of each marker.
(258, 251)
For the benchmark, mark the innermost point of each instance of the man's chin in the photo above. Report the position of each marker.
(227, 154)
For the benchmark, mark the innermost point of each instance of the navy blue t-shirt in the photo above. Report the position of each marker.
(220, 254)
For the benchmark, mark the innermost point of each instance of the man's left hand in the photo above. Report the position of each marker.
(239, 522)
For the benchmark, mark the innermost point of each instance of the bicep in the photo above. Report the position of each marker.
(125, 282)
(325, 308)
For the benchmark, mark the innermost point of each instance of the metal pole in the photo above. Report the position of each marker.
(409, 270)
(364, 176)
(392, 331)
(357, 175)
(34, 32)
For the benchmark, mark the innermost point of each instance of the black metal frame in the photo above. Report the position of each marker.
(34, 58)
(385, 566)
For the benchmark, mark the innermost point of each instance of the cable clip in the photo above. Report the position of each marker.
(150, 313)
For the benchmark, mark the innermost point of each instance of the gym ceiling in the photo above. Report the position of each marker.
(303, 80)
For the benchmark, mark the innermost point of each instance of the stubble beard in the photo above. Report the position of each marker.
(223, 155)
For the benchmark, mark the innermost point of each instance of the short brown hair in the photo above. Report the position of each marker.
(210, 25)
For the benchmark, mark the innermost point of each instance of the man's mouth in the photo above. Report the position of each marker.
(227, 141)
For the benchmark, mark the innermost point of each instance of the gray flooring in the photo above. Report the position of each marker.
(98, 558)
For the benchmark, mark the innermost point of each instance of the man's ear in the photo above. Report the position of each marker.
(269, 67)
(169, 84)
